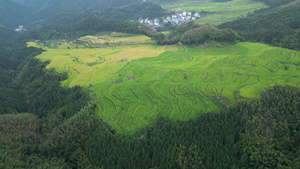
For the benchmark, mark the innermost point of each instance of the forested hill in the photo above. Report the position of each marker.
(88, 26)
(20, 12)
(34, 4)
(32, 104)
(274, 3)
(194, 34)
(128, 12)
(281, 27)
(12, 14)
(70, 6)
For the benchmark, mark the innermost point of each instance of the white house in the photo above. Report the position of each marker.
(156, 21)
(184, 13)
(150, 22)
(197, 15)
(20, 28)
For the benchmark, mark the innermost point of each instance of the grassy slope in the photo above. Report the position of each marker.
(221, 11)
(175, 83)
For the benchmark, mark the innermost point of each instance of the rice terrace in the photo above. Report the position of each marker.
(217, 12)
(137, 81)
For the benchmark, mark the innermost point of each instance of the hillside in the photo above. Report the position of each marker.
(19, 12)
(215, 13)
(278, 27)
(71, 6)
(128, 12)
(12, 14)
(34, 4)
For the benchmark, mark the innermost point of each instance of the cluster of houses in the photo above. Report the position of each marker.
(154, 22)
(20, 28)
(178, 18)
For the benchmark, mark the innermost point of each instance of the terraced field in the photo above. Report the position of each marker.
(220, 12)
(167, 81)
(116, 38)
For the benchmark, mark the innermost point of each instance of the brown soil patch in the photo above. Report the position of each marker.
(130, 78)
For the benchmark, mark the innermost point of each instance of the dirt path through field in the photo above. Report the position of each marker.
(179, 43)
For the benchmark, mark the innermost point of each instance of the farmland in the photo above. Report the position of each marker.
(136, 81)
(218, 12)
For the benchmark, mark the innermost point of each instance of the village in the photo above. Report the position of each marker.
(175, 19)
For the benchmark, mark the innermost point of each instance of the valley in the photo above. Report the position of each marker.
(136, 81)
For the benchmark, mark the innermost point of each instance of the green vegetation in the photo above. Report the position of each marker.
(72, 6)
(194, 34)
(281, 27)
(174, 84)
(33, 105)
(88, 26)
(218, 12)
(117, 100)
(34, 4)
(128, 12)
(274, 3)
(256, 133)
(12, 14)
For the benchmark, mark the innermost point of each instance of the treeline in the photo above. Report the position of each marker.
(274, 3)
(222, 0)
(192, 34)
(281, 27)
(88, 26)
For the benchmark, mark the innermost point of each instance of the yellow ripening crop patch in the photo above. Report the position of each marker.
(33, 44)
(97, 65)
(117, 39)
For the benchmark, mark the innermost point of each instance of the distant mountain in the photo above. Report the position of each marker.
(34, 4)
(134, 11)
(17, 12)
(12, 14)
(70, 6)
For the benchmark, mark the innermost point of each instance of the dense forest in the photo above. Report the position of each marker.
(193, 34)
(278, 27)
(274, 3)
(11, 14)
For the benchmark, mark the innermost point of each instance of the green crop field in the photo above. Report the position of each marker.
(167, 81)
(219, 12)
